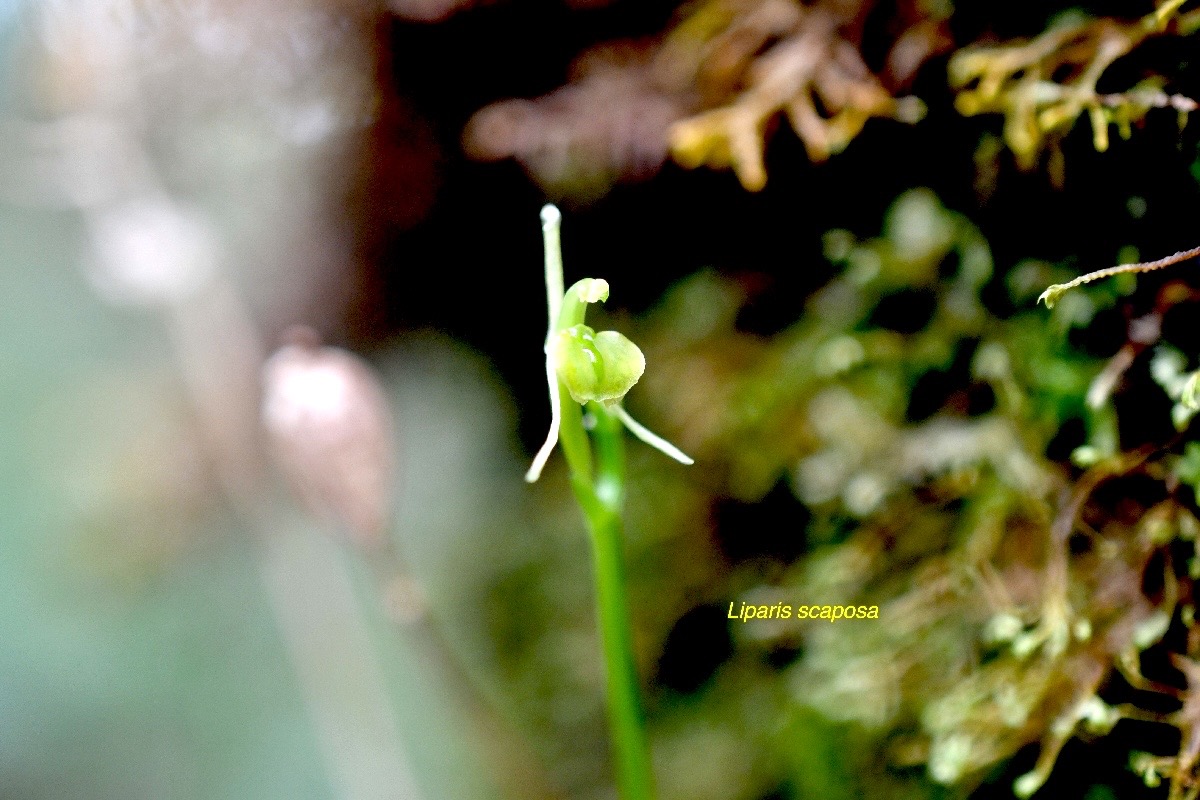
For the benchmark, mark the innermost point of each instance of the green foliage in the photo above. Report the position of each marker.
(954, 520)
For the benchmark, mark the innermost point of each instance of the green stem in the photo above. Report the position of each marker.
(601, 499)
(575, 445)
(635, 778)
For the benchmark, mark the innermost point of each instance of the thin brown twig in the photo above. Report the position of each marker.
(1054, 292)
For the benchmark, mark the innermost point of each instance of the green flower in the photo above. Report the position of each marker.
(587, 366)
(596, 366)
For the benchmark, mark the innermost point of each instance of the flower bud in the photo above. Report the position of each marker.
(600, 366)
(330, 431)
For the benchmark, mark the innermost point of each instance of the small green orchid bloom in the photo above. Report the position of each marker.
(599, 367)
(580, 363)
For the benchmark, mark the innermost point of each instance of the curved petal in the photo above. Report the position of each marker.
(649, 437)
(543, 455)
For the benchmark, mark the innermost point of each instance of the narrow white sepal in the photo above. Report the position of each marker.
(543, 455)
(649, 437)
(552, 244)
(551, 222)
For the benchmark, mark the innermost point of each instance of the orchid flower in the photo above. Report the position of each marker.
(587, 366)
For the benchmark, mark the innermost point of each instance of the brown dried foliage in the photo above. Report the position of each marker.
(709, 92)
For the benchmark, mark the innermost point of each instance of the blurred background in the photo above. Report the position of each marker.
(236, 563)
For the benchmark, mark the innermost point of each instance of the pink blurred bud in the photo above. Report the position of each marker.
(330, 431)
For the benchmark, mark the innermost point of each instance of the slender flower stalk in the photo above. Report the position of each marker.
(594, 371)
(1051, 295)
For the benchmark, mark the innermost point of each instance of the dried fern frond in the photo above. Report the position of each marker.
(1043, 85)
(807, 65)
(608, 125)
(708, 92)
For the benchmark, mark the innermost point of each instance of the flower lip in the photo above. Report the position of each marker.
(600, 367)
